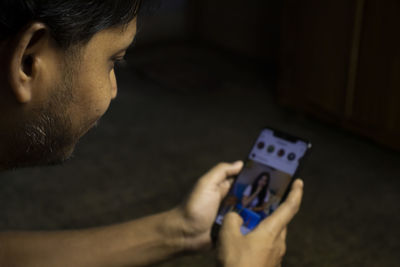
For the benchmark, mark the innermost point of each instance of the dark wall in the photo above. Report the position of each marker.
(248, 28)
(251, 28)
(164, 21)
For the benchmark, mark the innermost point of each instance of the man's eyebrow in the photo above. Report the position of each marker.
(131, 44)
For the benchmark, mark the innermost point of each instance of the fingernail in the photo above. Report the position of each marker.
(300, 183)
(237, 163)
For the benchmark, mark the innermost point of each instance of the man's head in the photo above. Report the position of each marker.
(57, 73)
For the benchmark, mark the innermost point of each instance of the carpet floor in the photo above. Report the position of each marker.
(180, 111)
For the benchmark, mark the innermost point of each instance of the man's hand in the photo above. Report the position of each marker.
(198, 212)
(266, 245)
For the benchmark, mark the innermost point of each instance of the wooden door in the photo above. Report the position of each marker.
(376, 107)
(316, 45)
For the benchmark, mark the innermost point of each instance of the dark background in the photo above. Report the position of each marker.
(203, 78)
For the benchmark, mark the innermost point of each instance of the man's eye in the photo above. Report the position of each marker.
(119, 62)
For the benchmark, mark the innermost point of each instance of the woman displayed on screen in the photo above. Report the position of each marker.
(256, 195)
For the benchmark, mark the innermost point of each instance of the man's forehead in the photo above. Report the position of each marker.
(126, 32)
(115, 37)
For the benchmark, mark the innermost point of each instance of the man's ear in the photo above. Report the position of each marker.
(25, 60)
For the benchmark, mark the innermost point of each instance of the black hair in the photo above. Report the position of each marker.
(70, 21)
(263, 192)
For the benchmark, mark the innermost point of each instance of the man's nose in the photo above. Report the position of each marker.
(114, 86)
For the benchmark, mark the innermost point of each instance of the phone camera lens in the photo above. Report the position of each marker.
(281, 153)
(291, 156)
(271, 149)
(261, 145)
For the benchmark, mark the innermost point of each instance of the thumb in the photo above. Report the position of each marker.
(231, 225)
(222, 171)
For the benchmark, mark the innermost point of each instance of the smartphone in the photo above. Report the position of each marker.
(264, 182)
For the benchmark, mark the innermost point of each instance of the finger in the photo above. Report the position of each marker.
(282, 241)
(221, 172)
(224, 187)
(231, 225)
(283, 234)
(286, 211)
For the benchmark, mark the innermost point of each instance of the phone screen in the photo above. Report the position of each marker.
(262, 184)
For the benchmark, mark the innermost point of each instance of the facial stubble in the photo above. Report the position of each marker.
(47, 138)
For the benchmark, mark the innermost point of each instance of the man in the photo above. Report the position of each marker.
(57, 79)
